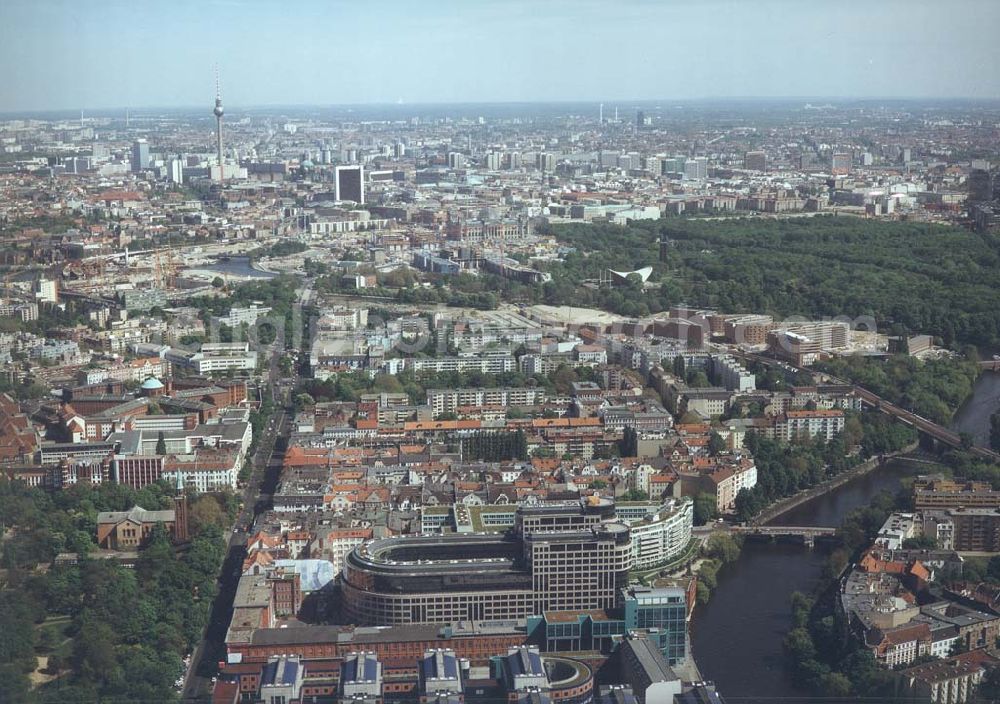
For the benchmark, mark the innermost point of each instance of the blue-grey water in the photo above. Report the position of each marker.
(737, 636)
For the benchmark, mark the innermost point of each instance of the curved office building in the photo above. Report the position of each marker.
(444, 578)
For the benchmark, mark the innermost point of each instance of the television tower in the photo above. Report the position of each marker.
(218, 125)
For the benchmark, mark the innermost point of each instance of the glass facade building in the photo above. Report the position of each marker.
(660, 612)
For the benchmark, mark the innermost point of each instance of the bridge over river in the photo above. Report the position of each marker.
(808, 534)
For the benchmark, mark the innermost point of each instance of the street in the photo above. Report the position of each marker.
(256, 498)
(266, 464)
(266, 468)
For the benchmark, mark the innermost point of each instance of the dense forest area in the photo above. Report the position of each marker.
(918, 277)
(933, 389)
(97, 631)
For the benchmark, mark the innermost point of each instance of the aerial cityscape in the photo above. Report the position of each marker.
(331, 374)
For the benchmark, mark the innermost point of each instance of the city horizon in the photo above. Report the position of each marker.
(609, 103)
(499, 351)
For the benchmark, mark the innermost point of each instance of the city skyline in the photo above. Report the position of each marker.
(339, 54)
(482, 351)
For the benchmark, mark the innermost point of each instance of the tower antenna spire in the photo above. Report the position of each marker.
(218, 111)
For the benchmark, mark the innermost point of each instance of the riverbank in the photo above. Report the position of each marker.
(235, 268)
(795, 500)
(738, 643)
(973, 417)
(258, 265)
(737, 638)
(675, 566)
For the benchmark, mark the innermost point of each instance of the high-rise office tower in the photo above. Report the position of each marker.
(176, 170)
(696, 168)
(349, 183)
(840, 163)
(980, 186)
(140, 155)
(755, 161)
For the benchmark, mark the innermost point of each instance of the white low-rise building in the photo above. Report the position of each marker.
(216, 357)
(242, 316)
(897, 528)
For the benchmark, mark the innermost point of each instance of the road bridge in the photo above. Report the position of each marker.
(124, 254)
(808, 534)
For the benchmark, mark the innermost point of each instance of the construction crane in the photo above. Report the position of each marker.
(164, 268)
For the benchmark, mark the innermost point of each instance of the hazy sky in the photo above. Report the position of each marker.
(112, 53)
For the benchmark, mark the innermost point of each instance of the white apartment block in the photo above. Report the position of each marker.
(486, 364)
(205, 479)
(901, 653)
(334, 227)
(728, 372)
(335, 545)
(56, 351)
(138, 370)
(797, 424)
(591, 354)
(898, 527)
(450, 400)
(730, 480)
(242, 316)
(543, 363)
(475, 338)
(25, 311)
(660, 537)
(343, 319)
(216, 357)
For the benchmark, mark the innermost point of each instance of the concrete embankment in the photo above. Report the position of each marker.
(790, 502)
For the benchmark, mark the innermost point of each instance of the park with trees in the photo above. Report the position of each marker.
(913, 276)
(94, 630)
(934, 389)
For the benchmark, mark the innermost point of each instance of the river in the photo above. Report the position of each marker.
(974, 415)
(736, 638)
